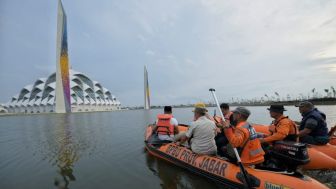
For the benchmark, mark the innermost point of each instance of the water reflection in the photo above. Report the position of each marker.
(67, 175)
(168, 176)
(97, 150)
(67, 154)
(62, 146)
(148, 116)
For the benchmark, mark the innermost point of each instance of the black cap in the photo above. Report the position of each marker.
(305, 104)
(243, 111)
(276, 108)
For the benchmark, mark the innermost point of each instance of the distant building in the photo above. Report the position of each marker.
(65, 90)
(2, 109)
(86, 95)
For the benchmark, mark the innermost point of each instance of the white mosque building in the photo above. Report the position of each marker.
(86, 96)
(65, 90)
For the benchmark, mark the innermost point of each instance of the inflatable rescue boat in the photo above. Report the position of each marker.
(222, 170)
(321, 156)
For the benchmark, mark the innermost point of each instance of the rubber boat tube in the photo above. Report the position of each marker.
(321, 157)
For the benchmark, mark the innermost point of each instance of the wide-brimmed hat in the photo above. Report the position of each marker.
(276, 108)
(200, 107)
(242, 111)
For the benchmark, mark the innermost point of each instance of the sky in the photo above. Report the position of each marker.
(243, 49)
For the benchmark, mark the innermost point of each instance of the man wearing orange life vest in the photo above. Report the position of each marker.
(282, 127)
(166, 125)
(243, 136)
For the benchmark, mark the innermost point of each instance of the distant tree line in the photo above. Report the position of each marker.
(327, 96)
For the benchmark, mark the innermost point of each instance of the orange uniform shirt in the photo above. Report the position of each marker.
(252, 153)
(237, 136)
(283, 126)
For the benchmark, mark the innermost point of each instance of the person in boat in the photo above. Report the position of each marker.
(282, 128)
(243, 136)
(166, 125)
(201, 132)
(225, 108)
(313, 127)
(221, 140)
(226, 111)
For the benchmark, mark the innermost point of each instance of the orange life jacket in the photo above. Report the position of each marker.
(293, 131)
(251, 150)
(164, 127)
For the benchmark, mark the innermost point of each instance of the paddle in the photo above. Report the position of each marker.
(242, 169)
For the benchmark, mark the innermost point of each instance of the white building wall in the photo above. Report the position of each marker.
(48, 105)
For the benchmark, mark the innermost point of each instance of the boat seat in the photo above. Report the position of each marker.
(154, 140)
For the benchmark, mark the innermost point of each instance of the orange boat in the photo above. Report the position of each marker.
(222, 170)
(321, 157)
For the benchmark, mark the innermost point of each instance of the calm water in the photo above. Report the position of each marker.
(96, 150)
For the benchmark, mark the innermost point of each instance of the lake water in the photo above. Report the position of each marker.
(97, 150)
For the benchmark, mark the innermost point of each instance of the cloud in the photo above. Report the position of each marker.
(87, 35)
(150, 53)
(244, 49)
(141, 37)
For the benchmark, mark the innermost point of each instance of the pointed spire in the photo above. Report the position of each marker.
(63, 100)
(146, 90)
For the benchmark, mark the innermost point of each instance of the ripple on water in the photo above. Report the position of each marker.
(327, 177)
(98, 150)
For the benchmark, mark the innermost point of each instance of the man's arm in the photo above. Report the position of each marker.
(176, 130)
(304, 132)
(183, 139)
(175, 123)
(310, 125)
(236, 137)
(154, 126)
(189, 133)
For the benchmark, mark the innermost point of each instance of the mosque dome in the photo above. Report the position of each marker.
(86, 95)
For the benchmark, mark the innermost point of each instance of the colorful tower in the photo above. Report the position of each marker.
(63, 103)
(146, 90)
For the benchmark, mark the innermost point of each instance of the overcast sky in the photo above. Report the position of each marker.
(243, 49)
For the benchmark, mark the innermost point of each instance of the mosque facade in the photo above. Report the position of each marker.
(65, 90)
(86, 95)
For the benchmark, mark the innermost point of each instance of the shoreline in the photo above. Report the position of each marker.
(319, 101)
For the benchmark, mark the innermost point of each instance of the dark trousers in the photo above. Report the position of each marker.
(221, 142)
